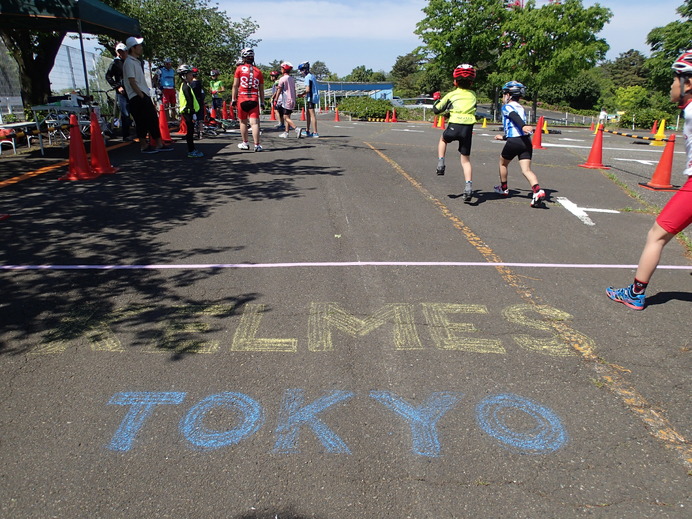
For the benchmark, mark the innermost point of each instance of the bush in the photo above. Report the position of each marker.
(366, 107)
(643, 118)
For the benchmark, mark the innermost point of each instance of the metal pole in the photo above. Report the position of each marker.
(84, 67)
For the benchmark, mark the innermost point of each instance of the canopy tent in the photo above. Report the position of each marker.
(80, 16)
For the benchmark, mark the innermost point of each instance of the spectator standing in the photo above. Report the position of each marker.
(248, 98)
(114, 76)
(274, 75)
(285, 96)
(189, 108)
(198, 90)
(603, 117)
(140, 104)
(167, 85)
(677, 213)
(216, 87)
(517, 133)
(461, 105)
(312, 99)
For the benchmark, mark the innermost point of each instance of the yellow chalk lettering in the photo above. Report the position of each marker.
(445, 333)
(324, 317)
(555, 346)
(181, 336)
(245, 337)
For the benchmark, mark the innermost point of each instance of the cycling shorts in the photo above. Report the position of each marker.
(518, 147)
(677, 214)
(168, 96)
(311, 106)
(248, 108)
(462, 133)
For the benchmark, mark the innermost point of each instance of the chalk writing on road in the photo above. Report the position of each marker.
(495, 415)
(452, 327)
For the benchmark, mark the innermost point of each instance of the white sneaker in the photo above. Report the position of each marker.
(299, 132)
(283, 135)
(538, 199)
(500, 191)
(244, 146)
(258, 147)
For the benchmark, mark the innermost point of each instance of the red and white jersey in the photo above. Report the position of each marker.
(249, 80)
(687, 132)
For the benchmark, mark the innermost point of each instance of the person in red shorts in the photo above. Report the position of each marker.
(248, 98)
(677, 213)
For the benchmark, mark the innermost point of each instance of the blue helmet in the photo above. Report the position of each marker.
(305, 66)
(514, 89)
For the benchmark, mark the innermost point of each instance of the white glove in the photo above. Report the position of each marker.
(194, 117)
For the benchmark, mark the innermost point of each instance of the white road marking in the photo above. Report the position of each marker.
(580, 212)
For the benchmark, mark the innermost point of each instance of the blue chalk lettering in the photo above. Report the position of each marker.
(547, 436)
(141, 407)
(193, 429)
(292, 416)
(422, 419)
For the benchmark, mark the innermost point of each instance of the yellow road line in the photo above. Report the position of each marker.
(610, 374)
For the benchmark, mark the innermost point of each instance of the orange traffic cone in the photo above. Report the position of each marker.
(386, 118)
(394, 119)
(537, 142)
(337, 119)
(182, 130)
(272, 116)
(224, 110)
(302, 114)
(591, 129)
(654, 128)
(163, 125)
(100, 163)
(231, 113)
(441, 122)
(435, 122)
(596, 155)
(661, 178)
(78, 168)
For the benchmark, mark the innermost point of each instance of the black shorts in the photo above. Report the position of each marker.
(518, 147)
(461, 133)
(311, 106)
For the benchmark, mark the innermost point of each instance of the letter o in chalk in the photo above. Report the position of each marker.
(194, 430)
(547, 436)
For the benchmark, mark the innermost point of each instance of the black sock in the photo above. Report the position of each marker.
(503, 185)
(639, 287)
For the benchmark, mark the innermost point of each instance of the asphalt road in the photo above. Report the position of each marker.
(317, 331)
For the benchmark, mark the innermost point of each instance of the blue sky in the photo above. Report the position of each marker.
(346, 34)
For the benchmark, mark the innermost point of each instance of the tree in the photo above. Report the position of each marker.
(185, 30)
(460, 32)
(35, 54)
(628, 69)
(667, 43)
(360, 74)
(320, 70)
(547, 45)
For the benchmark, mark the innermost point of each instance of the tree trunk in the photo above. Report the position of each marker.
(35, 56)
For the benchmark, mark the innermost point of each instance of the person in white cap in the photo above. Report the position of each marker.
(114, 76)
(141, 106)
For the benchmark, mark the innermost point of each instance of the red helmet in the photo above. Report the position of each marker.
(464, 71)
(682, 66)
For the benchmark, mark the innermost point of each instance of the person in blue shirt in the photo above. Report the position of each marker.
(517, 134)
(167, 85)
(312, 99)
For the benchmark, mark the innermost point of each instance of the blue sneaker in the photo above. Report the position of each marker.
(627, 297)
(195, 154)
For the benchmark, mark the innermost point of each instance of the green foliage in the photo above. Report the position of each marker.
(643, 118)
(667, 43)
(361, 74)
(628, 69)
(187, 31)
(365, 107)
(632, 98)
(553, 43)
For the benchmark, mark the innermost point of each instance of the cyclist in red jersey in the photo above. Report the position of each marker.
(248, 98)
